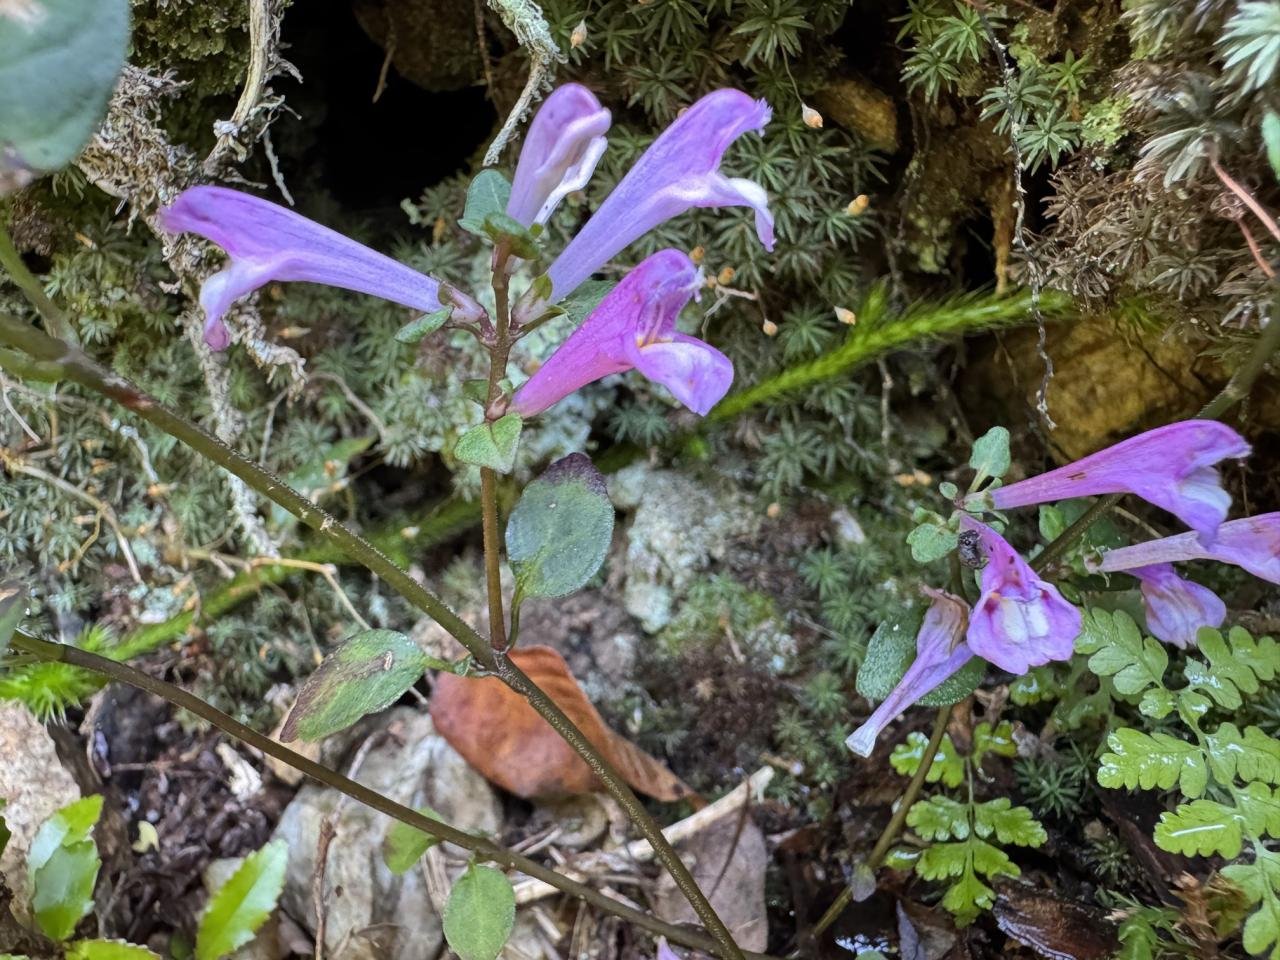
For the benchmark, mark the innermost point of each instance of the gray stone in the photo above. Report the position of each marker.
(371, 914)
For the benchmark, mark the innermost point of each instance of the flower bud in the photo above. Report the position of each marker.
(811, 117)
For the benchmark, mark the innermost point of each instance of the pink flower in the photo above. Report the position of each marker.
(634, 327)
(1177, 608)
(267, 243)
(940, 652)
(1019, 621)
(1173, 467)
(1252, 543)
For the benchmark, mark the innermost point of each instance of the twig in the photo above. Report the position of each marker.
(525, 20)
(482, 847)
(1247, 198)
(328, 830)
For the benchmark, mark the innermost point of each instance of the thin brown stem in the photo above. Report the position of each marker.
(492, 558)
(480, 846)
(894, 827)
(78, 367)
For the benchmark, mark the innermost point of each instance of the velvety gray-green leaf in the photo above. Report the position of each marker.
(480, 914)
(559, 532)
(58, 68)
(492, 445)
(243, 903)
(892, 648)
(990, 456)
(368, 672)
(488, 193)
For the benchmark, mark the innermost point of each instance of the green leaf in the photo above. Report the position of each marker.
(939, 818)
(1251, 755)
(902, 858)
(1199, 829)
(62, 888)
(480, 914)
(1147, 761)
(1010, 824)
(491, 445)
(73, 823)
(423, 326)
(403, 846)
(488, 193)
(931, 541)
(13, 607)
(948, 766)
(579, 304)
(501, 228)
(990, 457)
(1260, 882)
(243, 903)
(1271, 137)
(58, 68)
(997, 740)
(366, 673)
(107, 950)
(1052, 523)
(1120, 651)
(892, 649)
(966, 860)
(560, 530)
(5, 834)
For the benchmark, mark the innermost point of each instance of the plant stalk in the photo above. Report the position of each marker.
(82, 369)
(482, 847)
(55, 320)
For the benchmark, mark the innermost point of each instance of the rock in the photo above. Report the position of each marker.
(736, 890)
(680, 526)
(34, 784)
(861, 108)
(371, 913)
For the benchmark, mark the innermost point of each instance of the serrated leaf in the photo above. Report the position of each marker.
(1147, 761)
(948, 765)
(1261, 656)
(108, 950)
(480, 914)
(1121, 652)
(1199, 829)
(62, 888)
(488, 193)
(1250, 755)
(966, 898)
(1225, 676)
(492, 445)
(931, 541)
(939, 818)
(71, 824)
(966, 860)
(242, 904)
(1010, 824)
(58, 68)
(403, 845)
(423, 326)
(997, 740)
(560, 530)
(892, 649)
(366, 673)
(990, 456)
(1259, 806)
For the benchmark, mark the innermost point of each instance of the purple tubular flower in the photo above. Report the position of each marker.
(267, 242)
(680, 170)
(564, 143)
(1252, 544)
(634, 328)
(1177, 608)
(1172, 467)
(940, 652)
(1020, 621)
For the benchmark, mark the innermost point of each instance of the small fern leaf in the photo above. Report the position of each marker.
(1010, 824)
(1146, 761)
(1119, 650)
(1201, 828)
(1250, 756)
(939, 818)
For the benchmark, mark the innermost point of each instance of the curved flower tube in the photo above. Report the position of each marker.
(940, 652)
(560, 152)
(1172, 467)
(634, 327)
(680, 170)
(267, 242)
(1177, 608)
(1252, 543)
(1019, 621)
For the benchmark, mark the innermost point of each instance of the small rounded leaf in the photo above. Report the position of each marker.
(892, 648)
(480, 914)
(403, 846)
(559, 532)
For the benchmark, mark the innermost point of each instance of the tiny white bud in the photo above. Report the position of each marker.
(846, 316)
(811, 117)
(579, 35)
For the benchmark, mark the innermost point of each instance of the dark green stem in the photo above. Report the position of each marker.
(11, 261)
(480, 846)
(80, 368)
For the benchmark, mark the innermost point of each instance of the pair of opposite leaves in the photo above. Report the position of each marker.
(504, 738)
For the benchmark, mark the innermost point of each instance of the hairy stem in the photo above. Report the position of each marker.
(80, 368)
(480, 846)
(894, 827)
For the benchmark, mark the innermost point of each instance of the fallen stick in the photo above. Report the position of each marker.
(640, 851)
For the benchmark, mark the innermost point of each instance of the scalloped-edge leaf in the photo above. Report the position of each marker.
(1147, 761)
(242, 904)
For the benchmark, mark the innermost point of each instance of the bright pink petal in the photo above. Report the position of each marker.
(1177, 608)
(1252, 543)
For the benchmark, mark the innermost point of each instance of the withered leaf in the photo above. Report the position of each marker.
(499, 734)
